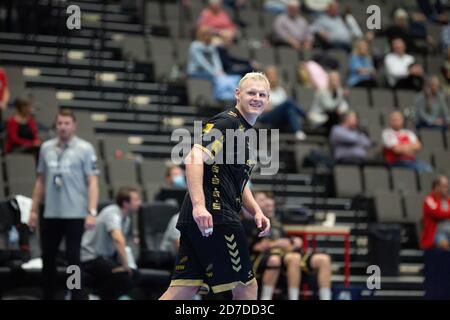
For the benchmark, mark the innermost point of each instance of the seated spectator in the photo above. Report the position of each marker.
(361, 68)
(104, 249)
(4, 90)
(282, 110)
(174, 189)
(236, 65)
(203, 57)
(436, 216)
(400, 146)
(348, 143)
(431, 106)
(276, 253)
(434, 10)
(332, 29)
(21, 129)
(217, 19)
(328, 104)
(413, 33)
(401, 70)
(175, 177)
(292, 29)
(445, 69)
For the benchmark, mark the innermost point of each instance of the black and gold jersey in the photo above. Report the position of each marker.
(229, 143)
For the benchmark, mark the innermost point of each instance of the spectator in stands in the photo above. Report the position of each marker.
(348, 143)
(4, 90)
(413, 33)
(203, 58)
(402, 145)
(276, 252)
(104, 249)
(175, 177)
(436, 216)
(431, 106)
(217, 19)
(292, 29)
(21, 129)
(434, 10)
(401, 70)
(67, 175)
(332, 29)
(361, 68)
(236, 65)
(445, 69)
(328, 104)
(282, 110)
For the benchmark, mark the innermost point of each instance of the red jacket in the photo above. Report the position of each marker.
(432, 215)
(12, 136)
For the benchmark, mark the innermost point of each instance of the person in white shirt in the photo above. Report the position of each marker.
(328, 104)
(400, 146)
(401, 69)
(282, 110)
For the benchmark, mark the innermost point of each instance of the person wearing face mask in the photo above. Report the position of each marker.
(103, 249)
(175, 177)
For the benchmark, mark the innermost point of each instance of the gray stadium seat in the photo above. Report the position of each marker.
(376, 178)
(347, 181)
(22, 187)
(112, 144)
(405, 99)
(153, 171)
(16, 81)
(305, 96)
(153, 13)
(200, 92)
(413, 207)
(382, 98)
(302, 150)
(388, 207)
(239, 51)
(442, 160)
(404, 180)
(135, 48)
(432, 139)
(266, 56)
(20, 167)
(358, 99)
(426, 180)
(122, 171)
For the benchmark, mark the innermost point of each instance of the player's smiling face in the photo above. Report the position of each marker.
(253, 96)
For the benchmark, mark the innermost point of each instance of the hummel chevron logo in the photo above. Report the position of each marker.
(232, 247)
(234, 254)
(230, 238)
(237, 269)
(236, 261)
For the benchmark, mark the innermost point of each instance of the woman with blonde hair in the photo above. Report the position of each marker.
(361, 69)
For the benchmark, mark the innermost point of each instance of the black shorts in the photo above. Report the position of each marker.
(220, 261)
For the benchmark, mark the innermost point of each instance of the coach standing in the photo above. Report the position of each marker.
(67, 176)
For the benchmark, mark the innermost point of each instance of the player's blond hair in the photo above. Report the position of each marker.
(254, 76)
